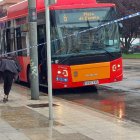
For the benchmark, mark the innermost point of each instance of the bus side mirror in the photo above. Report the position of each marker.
(120, 27)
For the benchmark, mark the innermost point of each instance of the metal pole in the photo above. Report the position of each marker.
(49, 66)
(33, 51)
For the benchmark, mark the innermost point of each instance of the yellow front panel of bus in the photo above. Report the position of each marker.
(89, 72)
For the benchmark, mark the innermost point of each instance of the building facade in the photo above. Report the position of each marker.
(5, 4)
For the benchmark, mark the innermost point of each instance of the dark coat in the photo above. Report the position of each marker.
(9, 65)
(1, 77)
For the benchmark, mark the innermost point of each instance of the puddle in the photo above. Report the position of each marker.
(40, 105)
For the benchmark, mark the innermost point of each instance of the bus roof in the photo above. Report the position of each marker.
(69, 4)
(21, 9)
(18, 10)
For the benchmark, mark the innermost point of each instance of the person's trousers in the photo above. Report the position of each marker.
(8, 80)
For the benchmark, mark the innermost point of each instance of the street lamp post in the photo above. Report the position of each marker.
(33, 50)
(49, 66)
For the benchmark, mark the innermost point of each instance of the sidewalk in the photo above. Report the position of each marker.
(20, 121)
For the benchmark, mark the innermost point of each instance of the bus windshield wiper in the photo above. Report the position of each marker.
(106, 51)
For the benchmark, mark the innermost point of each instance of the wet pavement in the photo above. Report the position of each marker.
(118, 103)
(20, 120)
(24, 119)
(121, 99)
(131, 81)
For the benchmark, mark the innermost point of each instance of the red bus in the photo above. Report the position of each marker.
(82, 55)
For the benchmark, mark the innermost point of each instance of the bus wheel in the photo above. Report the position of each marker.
(29, 77)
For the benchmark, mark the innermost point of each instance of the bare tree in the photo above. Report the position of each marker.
(131, 27)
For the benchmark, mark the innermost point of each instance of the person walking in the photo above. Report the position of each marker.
(9, 69)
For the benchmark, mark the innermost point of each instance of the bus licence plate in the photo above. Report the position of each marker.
(91, 82)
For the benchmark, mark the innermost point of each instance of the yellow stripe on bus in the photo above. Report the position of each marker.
(89, 72)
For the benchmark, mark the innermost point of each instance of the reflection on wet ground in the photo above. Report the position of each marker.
(111, 101)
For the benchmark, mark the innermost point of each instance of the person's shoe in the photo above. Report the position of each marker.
(4, 100)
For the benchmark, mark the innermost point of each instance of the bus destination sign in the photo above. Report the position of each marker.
(78, 17)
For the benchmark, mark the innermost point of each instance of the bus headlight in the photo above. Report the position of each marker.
(65, 73)
(119, 65)
(62, 73)
(59, 72)
(114, 67)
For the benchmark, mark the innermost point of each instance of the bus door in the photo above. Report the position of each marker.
(3, 41)
(42, 54)
(19, 41)
(8, 41)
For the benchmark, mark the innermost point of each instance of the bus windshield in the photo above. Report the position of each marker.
(75, 31)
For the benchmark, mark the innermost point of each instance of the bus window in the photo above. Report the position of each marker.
(8, 40)
(23, 43)
(41, 40)
(18, 39)
(2, 42)
(12, 39)
(76, 33)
